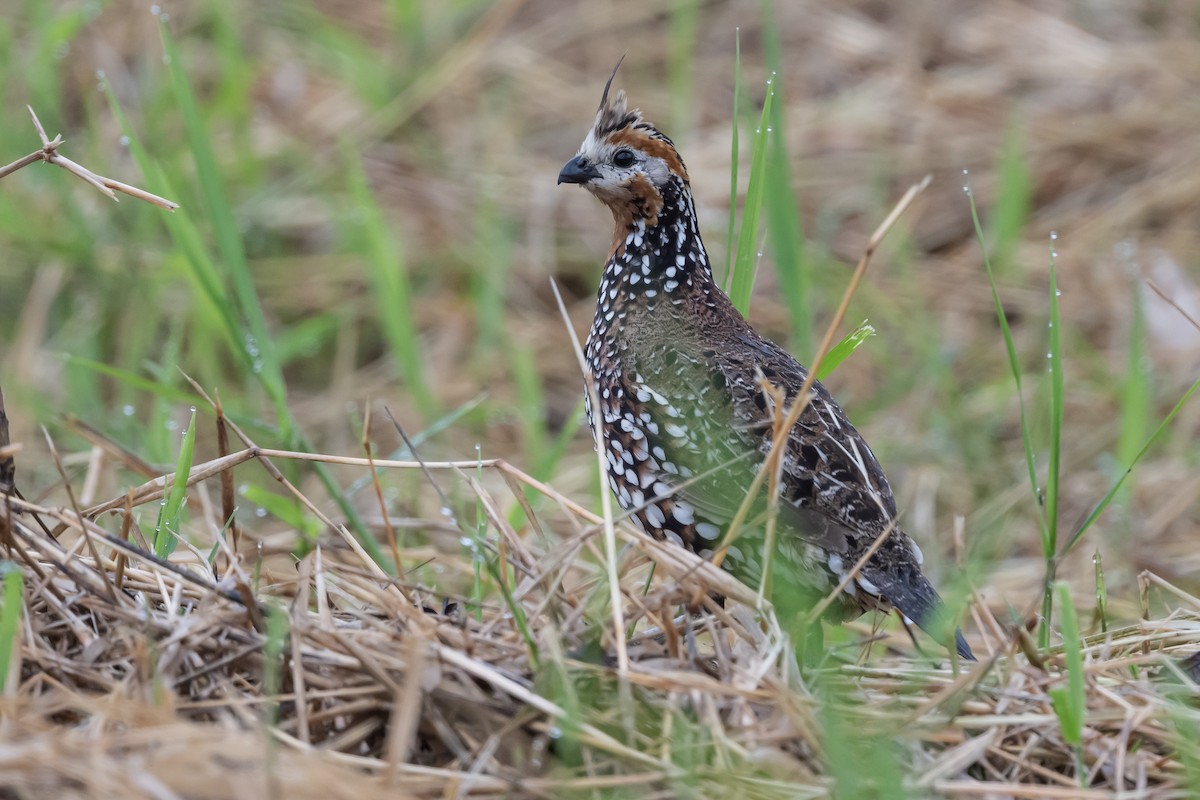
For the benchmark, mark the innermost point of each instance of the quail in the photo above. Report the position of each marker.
(688, 392)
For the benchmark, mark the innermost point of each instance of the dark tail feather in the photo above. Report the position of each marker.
(960, 644)
(917, 600)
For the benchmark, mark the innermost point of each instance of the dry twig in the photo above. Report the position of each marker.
(106, 186)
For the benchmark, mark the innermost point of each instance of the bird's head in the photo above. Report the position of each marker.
(626, 162)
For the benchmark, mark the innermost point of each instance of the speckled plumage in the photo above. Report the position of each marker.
(682, 382)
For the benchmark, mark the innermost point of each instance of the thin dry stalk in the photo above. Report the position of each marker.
(106, 186)
(610, 539)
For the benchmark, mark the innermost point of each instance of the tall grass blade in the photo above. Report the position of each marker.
(273, 663)
(531, 406)
(154, 387)
(1138, 386)
(1185, 720)
(1013, 361)
(1101, 591)
(272, 670)
(10, 617)
(1053, 473)
(848, 747)
(391, 289)
(1112, 493)
(735, 153)
(492, 259)
(170, 515)
(785, 228)
(246, 328)
(257, 344)
(205, 276)
(785, 235)
(1070, 701)
(745, 263)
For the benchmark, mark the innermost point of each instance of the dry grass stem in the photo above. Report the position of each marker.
(106, 186)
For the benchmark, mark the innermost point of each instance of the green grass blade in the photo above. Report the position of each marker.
(842, 350)
(250, 337)
(519, 617)
(1101, 591)
(274, 646)
(491, 257)
(1136, 393)
(531, 406)
(167, 532)
(10, 617)
(306, 337)
(285, 509)
(734, 155)
(258, 344)
(557, 683)
(390, 287)
(202, 271)
(1011, 350)
(848, 747)
(558, 447)
(1112, 493)
(746, 262)
(785, 227)
(785, 236)
(1054, 357)
(273, 649)
(1070, 701)
(1053, 473)
(128, 378)
(1185, 722)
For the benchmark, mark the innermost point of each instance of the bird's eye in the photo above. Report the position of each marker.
(623, 158)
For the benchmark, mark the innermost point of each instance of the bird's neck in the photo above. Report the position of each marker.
(655, 258)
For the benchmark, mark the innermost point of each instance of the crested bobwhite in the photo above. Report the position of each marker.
(686, 391)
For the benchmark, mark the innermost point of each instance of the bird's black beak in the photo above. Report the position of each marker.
(577, 170)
